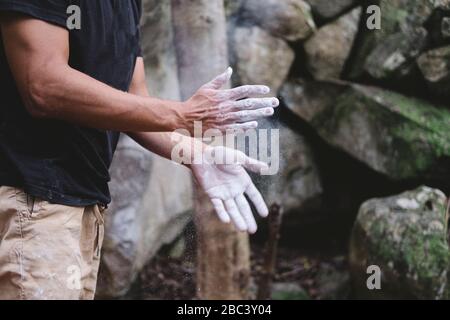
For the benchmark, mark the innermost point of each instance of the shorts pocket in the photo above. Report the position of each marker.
(31, 201)
(27, 204)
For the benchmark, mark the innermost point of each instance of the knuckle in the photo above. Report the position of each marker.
(221, 117)
(241, 115)
(223, 95)
(249, 103)
(217, 98)
(224, 106)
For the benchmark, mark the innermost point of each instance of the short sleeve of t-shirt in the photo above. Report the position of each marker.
(139, 18)
(52, 11)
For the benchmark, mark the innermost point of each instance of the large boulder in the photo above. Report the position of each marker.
(152, 198)
(435, 67)
(406, 237)
(394, 58)
(398, 136)
(328, 50)
(288, 19)
(402, 23)
(326, 9)
(259, 58)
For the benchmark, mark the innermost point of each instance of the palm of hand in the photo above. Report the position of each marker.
(224, 181)
(226, 184)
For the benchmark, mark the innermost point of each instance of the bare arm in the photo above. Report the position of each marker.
(38, 54)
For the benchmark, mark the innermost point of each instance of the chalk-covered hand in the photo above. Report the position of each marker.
(227, 184)
(227, 109)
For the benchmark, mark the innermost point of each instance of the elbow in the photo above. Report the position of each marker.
(44, 92)
(38, 101)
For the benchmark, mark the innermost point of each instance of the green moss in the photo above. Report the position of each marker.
(413, 254)
(419, 256)
(419, 131)
(418, 260)
(392, 17)
(410, 133)
(290, 295)
(420, 112)
(427, 255)
(419, 149)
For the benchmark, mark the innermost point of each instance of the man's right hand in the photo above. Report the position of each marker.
(227, 109)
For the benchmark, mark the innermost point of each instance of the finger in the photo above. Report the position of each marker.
(233, 211)
(246, 212)
(220, 209)
(253, 104)
(220, 80)
(239, 126)
(251, 164)
(244, 92)
(250, 115)
(257, 199)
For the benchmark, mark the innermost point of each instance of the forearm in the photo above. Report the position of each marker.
(69, 95)
(160, 143)
(163, 144)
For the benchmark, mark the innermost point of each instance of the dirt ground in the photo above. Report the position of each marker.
(298, 276)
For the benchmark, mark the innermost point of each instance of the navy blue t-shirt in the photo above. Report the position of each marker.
(55, 160)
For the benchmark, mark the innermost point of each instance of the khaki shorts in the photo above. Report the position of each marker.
(48, 251)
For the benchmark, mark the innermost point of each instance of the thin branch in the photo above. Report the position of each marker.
(270, 255)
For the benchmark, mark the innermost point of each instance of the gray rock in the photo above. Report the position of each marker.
(308, 99)
(394, 58)
(326, 9)
(158, 48)
(152, 198)
(297, 183)
(442, 4)
(288, 19)
(445, 27)
(406, 237)
(435, 67)
(398, 136)
(328, 50)
(403, 18)
(259, 57)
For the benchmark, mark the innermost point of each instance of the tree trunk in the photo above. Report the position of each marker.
(223, 263)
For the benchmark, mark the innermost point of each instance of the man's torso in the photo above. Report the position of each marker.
(54, 160)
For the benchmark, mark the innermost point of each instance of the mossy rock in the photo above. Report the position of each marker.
(406, 237)
(402, 21)
(288, 291)
(399, 136)
(435, 67)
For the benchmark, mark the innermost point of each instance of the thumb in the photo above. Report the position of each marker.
(252, 165)
(220, 80)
